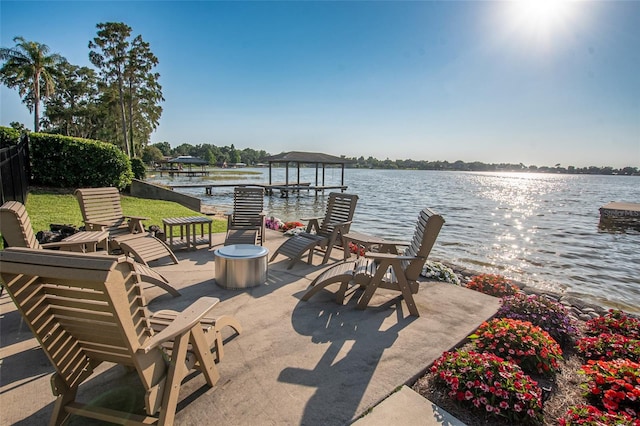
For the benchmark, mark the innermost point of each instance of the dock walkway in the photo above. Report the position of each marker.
(615, 210)
(284, 188)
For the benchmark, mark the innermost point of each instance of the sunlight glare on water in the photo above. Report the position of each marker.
(539, 229)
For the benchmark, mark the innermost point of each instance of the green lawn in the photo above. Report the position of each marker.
(46, 207)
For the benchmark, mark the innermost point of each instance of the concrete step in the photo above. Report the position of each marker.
(407, 407)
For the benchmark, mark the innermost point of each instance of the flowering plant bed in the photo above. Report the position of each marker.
(278, 225)
(493, 285)
(291, 225)
(490, 384)
(521, 342)
(439, 272)
(355, 248)
(274, 223)
(614, 322)
(614, 385)
(588, 415)
(547, 314)
(603, 392)
(609, 346)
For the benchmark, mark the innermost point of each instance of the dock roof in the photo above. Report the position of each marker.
(306, 157)
(188, 159)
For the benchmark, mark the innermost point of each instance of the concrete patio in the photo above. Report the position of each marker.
(296, 363)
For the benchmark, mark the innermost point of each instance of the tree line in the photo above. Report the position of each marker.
(477, 166)
(118, 101)
(214, 155)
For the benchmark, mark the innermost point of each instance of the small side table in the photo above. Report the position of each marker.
(89, 241)
(367, 242)
(188, 224)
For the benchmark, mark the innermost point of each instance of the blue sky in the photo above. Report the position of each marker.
(485, 81)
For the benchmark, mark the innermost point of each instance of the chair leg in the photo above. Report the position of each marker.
(408, 296)
(203, 355)
(174, 377)
(65, 396)
(220, 323)
(372, 285)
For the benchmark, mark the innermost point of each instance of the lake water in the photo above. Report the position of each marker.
(539, 229)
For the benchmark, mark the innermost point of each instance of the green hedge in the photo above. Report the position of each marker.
(138, 168)
(66, 162)
(8, 136)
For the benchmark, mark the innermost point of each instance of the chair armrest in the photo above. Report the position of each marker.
(184, 321)
(60, 244)
(137, 218)
(395, 243)
(386, 256)
(96, 226)
(339, 227)
(310, 218)
(135, 223)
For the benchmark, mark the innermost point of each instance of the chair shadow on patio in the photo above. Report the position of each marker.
(356, 339)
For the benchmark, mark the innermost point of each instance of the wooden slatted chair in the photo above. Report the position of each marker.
(101, 210)
(87, 309)
(15, 227)
(246, 223)
(321, 236)
(385, 270)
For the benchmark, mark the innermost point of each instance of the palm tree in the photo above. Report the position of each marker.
(29, 67)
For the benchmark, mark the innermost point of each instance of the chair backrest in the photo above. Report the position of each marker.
(15, 226)
(340, 209)
(101, 205)
(84, 309)
(424, 237)
(248, 204)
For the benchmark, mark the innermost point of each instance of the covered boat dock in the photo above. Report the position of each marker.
(298, 158)
(176, 166)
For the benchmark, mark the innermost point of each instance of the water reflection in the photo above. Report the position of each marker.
(542, 230)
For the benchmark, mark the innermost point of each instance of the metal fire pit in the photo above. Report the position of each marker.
(240, 266)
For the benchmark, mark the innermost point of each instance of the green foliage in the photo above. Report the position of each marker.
(8, 136)
(138, 168)
(164, 147)
(125, 66)
(66, 162)
(151, 154)
(31, 69)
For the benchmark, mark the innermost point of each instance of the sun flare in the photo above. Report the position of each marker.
(541, 19)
